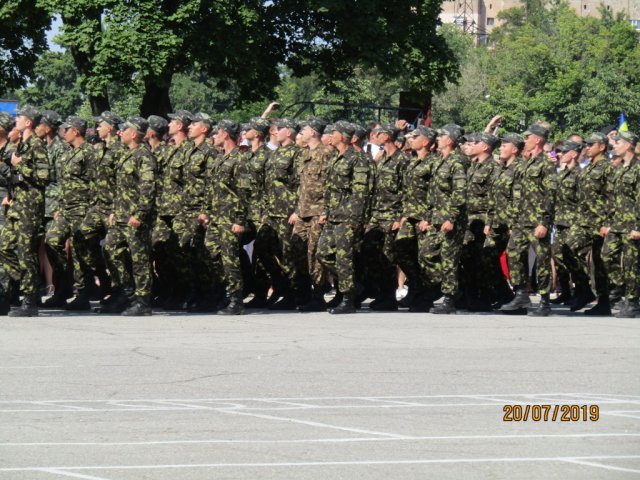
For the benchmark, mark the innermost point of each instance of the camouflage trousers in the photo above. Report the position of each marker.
(61, 229)
(440, 257)
(336, 251)
(171, 260)
(378, 249)
(19, 248)
(565, 260)
(192, 253)
(631, 267)
(304, 245)
(4, 277)
(408, 243)
(612, 258)
(582, 242)
(91, 231)
(518, 257)
(273, 248)
(476, 262)
(495, 245)
(130, 249)
(224, 248)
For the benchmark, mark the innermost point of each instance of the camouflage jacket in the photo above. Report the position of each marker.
(56, 151)
(501, 196)
(135, 185)
(162, 153)
(173, 181)
(227, 184)
(254, 165)
(535, 192)
(281, 182)
(387, 194)
(448, 189)
(347, 191)
(5, 168)
(76, 173)
(29, 179)
(195, 172)
(103, 182)
(567, 207)
(626, 214)
(313, 177)
(480, 178)
(415, 183)
(593, 194)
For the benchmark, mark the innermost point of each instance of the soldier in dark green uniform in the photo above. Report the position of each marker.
(533, 219)
(225, 212)
(593, 201)
(345, 207)
(384, 222)
(19, 243)
(447, 221)
(128, 240)
(7, 122)
(75, 177)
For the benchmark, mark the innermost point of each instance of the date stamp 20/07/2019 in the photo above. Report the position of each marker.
(551, 413)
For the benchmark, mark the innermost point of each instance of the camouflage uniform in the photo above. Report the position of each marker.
(613, 243)
(345, 203)
(134, 197)
(56, 151)
(19, 243)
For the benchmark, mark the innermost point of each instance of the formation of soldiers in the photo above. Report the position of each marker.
(204, 216)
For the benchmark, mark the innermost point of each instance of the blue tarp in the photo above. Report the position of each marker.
(9, 106)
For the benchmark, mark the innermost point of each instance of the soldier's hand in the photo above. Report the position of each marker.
(604, 231)
(487, 229)
(322, 220)
(293, 218)
(235, 228)
(634, 235)
(403, 220)
(540, 231)
(15, 160)
(111, 217)
(423, 226)
(202, 218)
(396, 226)
(134, 222)
(6, 202)
(446, 227)
(401, 124)
(493, 123)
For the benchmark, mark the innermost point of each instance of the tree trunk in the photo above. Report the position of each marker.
(156, 99)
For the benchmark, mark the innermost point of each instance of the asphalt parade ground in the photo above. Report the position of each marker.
(315, 396)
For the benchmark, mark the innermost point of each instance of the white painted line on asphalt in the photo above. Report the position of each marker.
(533, 436)
(69, 474)
(29, 367)
(327, 463)
(602, 465)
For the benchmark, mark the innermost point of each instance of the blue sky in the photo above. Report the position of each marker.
(53, 31)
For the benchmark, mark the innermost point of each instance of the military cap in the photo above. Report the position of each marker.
(202, 117)
(78, 123)
(229, 126)
(360, 131)
(111, 118)
(30, 112)
(328, 129)
(51, 119)
(288, 123)
(596, 137)
(570, 145)
(514, 139)
(536, 129)
(315, 123)
(158, 124)
(630, 137)
(469, 137)
(451, 130)
(183, 116)
(487, 138)
(388, 128)
(343, 127)
(139, 124)
(423, 131)
(6, 121)
(259, 124)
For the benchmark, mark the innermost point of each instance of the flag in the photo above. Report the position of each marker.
(622, 125)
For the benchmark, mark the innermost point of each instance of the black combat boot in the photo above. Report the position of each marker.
(583, 297)
(631, 309)
(520, 301)
(386, 301)
(79, 302)
(258, 301)
(447, 306)
(235, 307)
(118, 302)
(287, 302)
(615, 296)
(335, 301)
(347, 305)
(602, 308)
(543, 309)
(316, 303)
(29, 307)
(140, 307)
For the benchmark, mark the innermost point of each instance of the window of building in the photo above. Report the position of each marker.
(490, 22)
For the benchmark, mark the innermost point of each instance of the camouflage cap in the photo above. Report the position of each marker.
(360, 131)
(343, 127)
(423, 131)
(596, 137)
(7, 121)
(203, 118)
(315, 123)
(51, 119)
(139, 124)
(388, 128)
(514, 139)
(78, 123)
(30, 112)
(260, 125)
(329, 129)
(111, 118)
(289, 123)
(570, 146)
(537, 129)
(628, 136)
(183, 116)
(158, 124)
(229, 126)
(469, 137)
(487, 138)
(451, 130)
